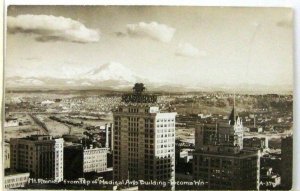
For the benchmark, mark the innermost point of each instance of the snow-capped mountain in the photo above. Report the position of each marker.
(110, 75)
(111, 71)
(116, 76)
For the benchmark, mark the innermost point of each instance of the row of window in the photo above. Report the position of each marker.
(165, 120)
(165, 125)
(133, 110)
(94, 165)
(16, 179)
(15, 185)
(147, 126)
(94, 161)
(164, 151)
(165, 130)
(168, 140)
(94, 152)
(165, 135)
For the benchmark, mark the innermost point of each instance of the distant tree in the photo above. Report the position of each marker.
(221, 103)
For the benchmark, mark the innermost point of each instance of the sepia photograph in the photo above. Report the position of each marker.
(148, 97)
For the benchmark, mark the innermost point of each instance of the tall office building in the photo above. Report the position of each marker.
(287, 162)
(219, 158)
(41, 155)
(144, 140)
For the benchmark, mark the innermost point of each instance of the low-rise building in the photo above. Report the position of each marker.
(255, 143)
(95, 159)
(186, 155)
(16, 180)
(258, 129)
(11, 122)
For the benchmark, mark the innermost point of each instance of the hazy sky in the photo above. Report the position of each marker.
(184, 45)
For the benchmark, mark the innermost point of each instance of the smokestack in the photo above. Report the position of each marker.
(106, 133)
(266, 142)
(111, 136)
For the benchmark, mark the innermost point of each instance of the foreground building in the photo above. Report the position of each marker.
(144, 140)
(15, 180)
(219, 158)
(287, 162)
(6, 155)
(41, 155)
(79, 160)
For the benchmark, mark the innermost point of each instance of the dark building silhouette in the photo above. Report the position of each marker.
(219, 158)
(79, 160)
(287, 162)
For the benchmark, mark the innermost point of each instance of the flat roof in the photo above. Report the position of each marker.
(242, 153)
(14, 173)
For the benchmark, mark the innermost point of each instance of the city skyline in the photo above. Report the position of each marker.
(153, 141)
(204, 47)
(148, 98)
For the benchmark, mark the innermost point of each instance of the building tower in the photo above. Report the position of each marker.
(40, 155)
(144, 140)
(219, 158)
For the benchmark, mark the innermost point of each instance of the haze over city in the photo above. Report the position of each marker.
(193, 47)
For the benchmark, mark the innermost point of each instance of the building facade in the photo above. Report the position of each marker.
(6, 155)
(79, 160)
(41, 155)
(16, 180)
(227, 171)
(220, 161)
(95, 159)
(287, 162)
(144, 141)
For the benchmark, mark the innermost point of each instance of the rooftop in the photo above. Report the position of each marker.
(138, 95)
(37, 137)
(242, 153)
(9, 172)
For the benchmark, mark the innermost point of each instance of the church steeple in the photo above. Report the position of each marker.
(233, 114)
